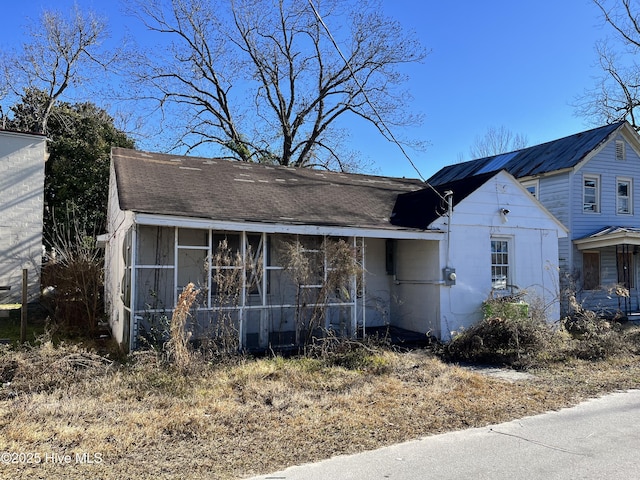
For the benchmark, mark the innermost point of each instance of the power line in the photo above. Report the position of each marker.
(388, 133)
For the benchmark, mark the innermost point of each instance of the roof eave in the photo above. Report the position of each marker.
(288, 228)
(598, 148)
(550, 173)
(608, 240)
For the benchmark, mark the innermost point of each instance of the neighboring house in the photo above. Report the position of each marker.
(22, 159)
(588, 181)
(169, 216)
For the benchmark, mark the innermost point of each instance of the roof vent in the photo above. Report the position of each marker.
(620, 150)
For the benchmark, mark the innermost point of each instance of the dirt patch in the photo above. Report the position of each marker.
(506, 374)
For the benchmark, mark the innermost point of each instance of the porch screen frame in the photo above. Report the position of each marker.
(356, 301)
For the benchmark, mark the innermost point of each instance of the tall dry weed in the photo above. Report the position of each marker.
(178, 347)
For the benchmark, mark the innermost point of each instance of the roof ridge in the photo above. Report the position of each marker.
(554, 155)
(566, 137)
(268, 166)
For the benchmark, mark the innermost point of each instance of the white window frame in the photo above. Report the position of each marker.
(628, 197)
(596, 203)
(532, 186)
(498, 267)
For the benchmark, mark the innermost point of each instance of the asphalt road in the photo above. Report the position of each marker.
(598, 439)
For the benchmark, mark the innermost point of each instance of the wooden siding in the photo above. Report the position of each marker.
(552, 193)
(562, 195)
(608, 169)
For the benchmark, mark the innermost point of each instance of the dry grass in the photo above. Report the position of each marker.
(145, 419)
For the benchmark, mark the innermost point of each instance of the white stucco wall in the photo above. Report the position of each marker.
(533, 251)
(22, 160)
(415, 302)
(378, 284)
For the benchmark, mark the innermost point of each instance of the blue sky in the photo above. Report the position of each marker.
(520, 64)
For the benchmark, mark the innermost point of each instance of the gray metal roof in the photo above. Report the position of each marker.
(611, 236)
(614, 230)
(552, 156)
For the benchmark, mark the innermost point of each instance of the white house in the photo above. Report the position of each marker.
(22, 160)
(499, 240)
(427, 258)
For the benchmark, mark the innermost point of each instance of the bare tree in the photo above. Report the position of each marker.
(616, 95)
(262, 79)
(60, 55)
(496, 141)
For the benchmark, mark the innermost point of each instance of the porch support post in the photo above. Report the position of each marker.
(243, 295)
(263, 339)
(354, 293)
(363, 288)
(624, 277)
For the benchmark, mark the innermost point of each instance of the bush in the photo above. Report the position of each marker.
(593, 338)
(73, 279)
(508, 334)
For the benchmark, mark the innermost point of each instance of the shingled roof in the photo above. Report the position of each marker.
(420, 208)
(552, 156)
(228, 190)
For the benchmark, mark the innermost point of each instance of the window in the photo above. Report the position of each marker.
(499, 264)
(620, 150)
(590, 270)
(532, 187)
(623, 196)
(591, 194)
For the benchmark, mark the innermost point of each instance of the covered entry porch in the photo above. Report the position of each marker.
(260, 287)
(609, 275)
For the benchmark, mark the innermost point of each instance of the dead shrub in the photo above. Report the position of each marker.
(333, 269)
(507, 335)
(592, 337)
(73, 277)
(336, 351)
(46, 368)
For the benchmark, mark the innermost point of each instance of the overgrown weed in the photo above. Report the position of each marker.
(509, 336)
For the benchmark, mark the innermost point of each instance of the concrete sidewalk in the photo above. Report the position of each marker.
(598, 439)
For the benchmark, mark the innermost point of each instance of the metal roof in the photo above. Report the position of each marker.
(610, 236)
(547, 157)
